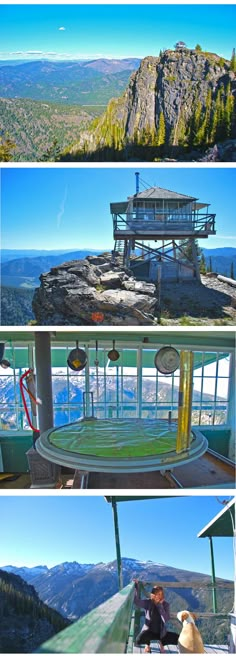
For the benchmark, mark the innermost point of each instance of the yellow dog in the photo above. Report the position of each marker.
(190, 640)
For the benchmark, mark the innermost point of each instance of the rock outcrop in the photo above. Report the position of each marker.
(172, 100)
(93, 291)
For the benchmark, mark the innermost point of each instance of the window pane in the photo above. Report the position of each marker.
(76, 389)
(222, 388)
(223, 366)
(149, 390)
(129, 388)
(59, 389)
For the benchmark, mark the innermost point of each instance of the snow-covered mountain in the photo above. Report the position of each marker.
(74, 589)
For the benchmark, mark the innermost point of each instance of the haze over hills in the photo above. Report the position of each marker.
(74, 589)
(25, 271)
(221, 260)
(67, 82)
(23, 268)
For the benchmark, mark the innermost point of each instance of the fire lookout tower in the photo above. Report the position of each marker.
(159, 215)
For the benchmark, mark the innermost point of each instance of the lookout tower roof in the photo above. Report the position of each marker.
(157, 193)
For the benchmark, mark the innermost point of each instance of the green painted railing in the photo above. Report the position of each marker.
(105, 630)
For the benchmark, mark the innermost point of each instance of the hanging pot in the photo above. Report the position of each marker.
(77, 359)
(167, 360)
(113, 355)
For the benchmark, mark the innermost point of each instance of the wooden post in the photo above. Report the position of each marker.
(213, 577)
(44, 380)
(195, 260)
(117, 539)
(185, 401)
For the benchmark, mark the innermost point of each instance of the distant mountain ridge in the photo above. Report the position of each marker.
(73, 591)
(91, 82)
(24, 271)
(7, 254)
(221, 259)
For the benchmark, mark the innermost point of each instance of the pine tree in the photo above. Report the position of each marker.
(203, 132)
(187, 251)
(202, 265)
(228, 111)
(233, 61)
(232, 270)
(161, 132)
(217, 127)
(196, 122)
(52, 153)
(6, 147)
(198, 48)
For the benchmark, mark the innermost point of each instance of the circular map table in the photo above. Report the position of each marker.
(118, 445)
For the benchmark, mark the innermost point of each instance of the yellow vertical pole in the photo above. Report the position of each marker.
(185, 401)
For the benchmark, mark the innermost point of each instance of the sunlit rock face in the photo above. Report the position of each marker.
(91, 292)
(180, 90)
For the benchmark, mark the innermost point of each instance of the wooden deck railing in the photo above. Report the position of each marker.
(150, 222)
(104, 630)
(111, 627)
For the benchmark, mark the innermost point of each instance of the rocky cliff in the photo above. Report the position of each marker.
(93, 291)
(182, 98)
(100, 291)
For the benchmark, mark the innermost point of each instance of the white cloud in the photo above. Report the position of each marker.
(61, 29)
(82, 56)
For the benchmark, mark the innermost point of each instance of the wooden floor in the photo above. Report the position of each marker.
(209, 649)
(206, 471)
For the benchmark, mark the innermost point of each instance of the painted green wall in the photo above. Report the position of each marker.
(13, 448)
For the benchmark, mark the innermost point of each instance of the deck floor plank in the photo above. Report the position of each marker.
(209, 649)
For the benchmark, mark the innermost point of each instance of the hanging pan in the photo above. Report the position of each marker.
(167, 360)
(77, 359)
(113, 355)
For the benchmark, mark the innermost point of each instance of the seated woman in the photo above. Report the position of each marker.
(157, 613)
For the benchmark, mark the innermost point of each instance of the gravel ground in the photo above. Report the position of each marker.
(209, 302)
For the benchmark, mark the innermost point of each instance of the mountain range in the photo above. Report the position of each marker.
(72, 82)
(77, 388)
(44, 104)
(74, 589)
(25, 271)
(23, 268)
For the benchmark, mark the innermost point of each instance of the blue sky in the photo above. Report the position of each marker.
(69, 208)
(54, 529)
(90, 31)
